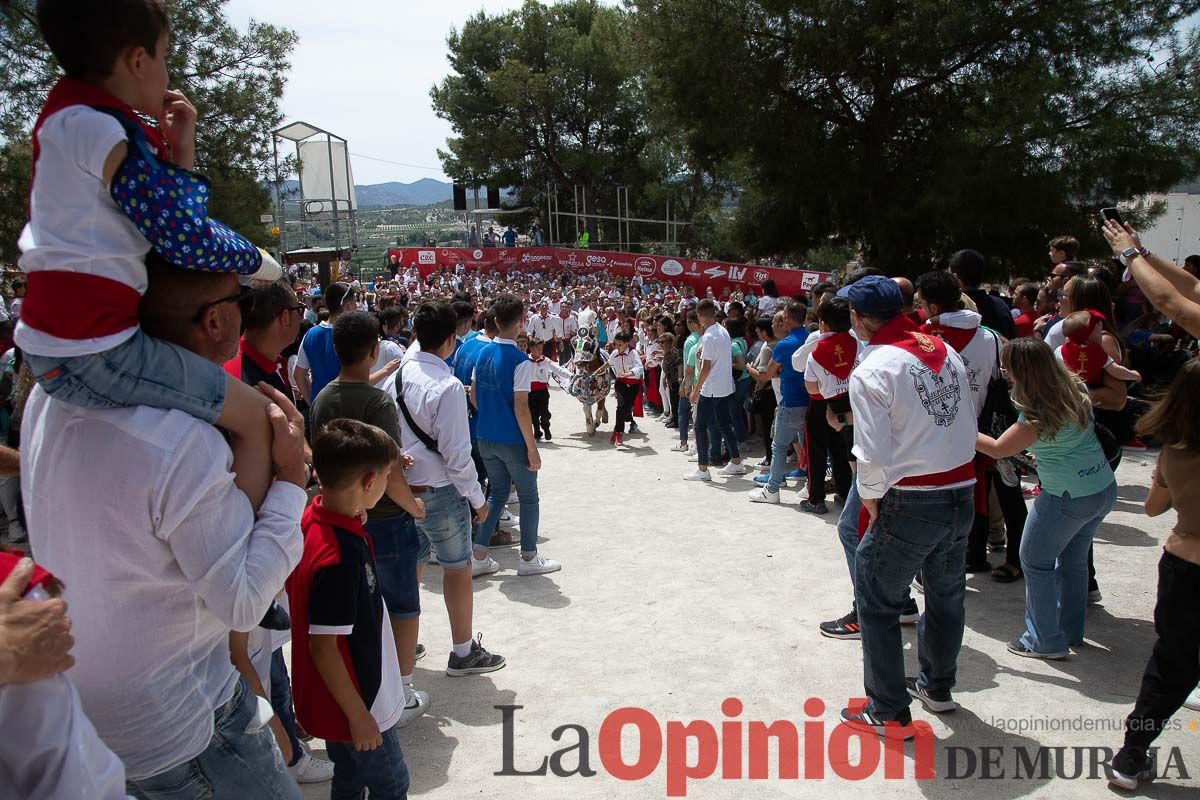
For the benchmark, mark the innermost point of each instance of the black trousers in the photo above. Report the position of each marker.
(1012, 506)
(762, 411)
(539, 409)
(1174, 666)
(626, 395)
(825, 445)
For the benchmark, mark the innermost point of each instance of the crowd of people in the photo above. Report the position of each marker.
(212, 463)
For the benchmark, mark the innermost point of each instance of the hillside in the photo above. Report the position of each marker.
(424, 192)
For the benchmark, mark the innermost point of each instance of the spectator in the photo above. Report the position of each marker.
(1078, 491)
(158, 482)
(793, 403)
(968, 267)
(510, 237)
(1025, 303)
(317, 362)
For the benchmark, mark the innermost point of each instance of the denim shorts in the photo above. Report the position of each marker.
(446, 527)
(396, 545)
(141, 371)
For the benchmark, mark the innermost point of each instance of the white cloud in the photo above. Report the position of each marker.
(363, 70)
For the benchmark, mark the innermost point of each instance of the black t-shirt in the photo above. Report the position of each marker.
(995, 312)
(365, 403)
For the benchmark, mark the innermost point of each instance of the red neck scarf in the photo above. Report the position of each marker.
(1085, 360)
(837, 354)
(958, 338)
(71, 92)
(902, 332)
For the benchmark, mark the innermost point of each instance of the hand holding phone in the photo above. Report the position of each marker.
(1113, 214)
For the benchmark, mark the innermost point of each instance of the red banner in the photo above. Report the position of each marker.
(700, 275)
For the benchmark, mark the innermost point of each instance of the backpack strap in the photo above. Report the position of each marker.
(424, 437)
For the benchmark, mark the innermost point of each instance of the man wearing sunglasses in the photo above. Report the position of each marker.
(271, 317)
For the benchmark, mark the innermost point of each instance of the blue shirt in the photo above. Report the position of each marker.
(510, 238)
(465, 359)
(495, 370)
(322, 360)
(791, 383)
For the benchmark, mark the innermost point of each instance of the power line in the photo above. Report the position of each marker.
(395, 163)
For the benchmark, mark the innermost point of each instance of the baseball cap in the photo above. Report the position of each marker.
(874, 296)
(268, 271)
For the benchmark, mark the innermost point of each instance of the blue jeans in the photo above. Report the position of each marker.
(684, 416)
(509, 464)
(397, 546)
(235, 764)
(789, 428)
(1054, 549)
(714, 413)
(847, 527)
(381, 770)
(446, 527)
(924, 531)
(281, 701)
(741, 390)
(141, 371)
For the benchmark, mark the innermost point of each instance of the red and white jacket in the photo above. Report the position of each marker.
(831, 362)
(914, 417)
(978, 347)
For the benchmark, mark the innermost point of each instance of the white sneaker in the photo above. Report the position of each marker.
(764, 495)
(513, 499)
(508, 519)
(693, 458)
(1193, 701)
(16, 532)
(679, 448)
(731, 469)
(417, 705)
(310, 769)
(485, 567)
(692, 450)
(537, 566)
(764, 465)
(698, 475)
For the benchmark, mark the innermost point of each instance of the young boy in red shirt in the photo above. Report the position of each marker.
(345, 675)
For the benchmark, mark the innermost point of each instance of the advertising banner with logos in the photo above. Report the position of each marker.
(700, 275)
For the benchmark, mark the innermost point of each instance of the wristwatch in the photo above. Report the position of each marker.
(1131, 252)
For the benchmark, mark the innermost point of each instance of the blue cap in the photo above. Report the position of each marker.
(874, 296)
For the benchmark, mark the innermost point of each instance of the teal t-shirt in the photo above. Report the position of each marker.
(1073, 463)
(689, 349)
(739, 349)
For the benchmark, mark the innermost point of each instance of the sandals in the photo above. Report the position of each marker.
(1006, 573)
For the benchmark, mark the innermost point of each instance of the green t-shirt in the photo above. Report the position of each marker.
(739, 349)
(689, 350)
(1074, 462)
(365, 403)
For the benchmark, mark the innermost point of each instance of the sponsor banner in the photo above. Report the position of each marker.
(700, 275)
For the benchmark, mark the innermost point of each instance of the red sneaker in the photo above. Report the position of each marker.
(620, 439)
(1135, 443)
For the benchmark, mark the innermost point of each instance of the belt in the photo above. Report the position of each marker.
(419, 489)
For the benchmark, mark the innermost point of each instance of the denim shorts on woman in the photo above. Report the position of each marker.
(446, 527)
(396, 545)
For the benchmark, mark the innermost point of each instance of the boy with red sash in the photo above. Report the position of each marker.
(1084, 353)
(827, 378)
(914, 438)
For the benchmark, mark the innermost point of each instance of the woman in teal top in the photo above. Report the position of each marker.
(1078, 491)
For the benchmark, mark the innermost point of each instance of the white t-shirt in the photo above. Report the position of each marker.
(75, 226)
(767, 305)
(1055, 338)
(716, 346)
(388, 351)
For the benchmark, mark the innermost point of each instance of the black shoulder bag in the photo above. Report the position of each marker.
(425, 438)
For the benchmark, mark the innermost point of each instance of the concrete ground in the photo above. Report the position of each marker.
(675, 596)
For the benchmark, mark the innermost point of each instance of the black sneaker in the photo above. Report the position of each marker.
(1018, 648)
(548, 437)
(1128, 767)
(911, 614)
(864, 720)
(938, 701)
(845, 628)
(537, 436)
(478, 661)
(814, 508)
(420, 652)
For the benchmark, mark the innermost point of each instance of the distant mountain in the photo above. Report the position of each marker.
(424, 192)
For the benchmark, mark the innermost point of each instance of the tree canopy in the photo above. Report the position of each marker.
(915, 127)
(235, 79)
(557, 94)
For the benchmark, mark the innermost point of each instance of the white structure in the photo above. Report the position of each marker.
(1175, 235)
